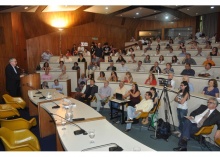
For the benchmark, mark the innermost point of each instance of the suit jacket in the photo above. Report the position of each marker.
(113, 68)
(214, 117)
(93, 91)
(12, 78)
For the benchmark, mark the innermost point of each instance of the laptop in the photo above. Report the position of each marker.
(119, 96)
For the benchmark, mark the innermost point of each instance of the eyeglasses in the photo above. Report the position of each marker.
(208, 102)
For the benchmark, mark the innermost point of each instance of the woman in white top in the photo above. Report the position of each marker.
(182, 107)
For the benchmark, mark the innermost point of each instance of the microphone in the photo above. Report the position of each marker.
(77, 132)
(57, 106)
(38, 92)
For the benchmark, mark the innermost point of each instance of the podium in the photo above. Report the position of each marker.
(29, 82)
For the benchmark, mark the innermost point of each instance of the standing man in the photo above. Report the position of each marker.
(12, 78)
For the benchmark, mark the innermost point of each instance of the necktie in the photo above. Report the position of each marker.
(203, 119)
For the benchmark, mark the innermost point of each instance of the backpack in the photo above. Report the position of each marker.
(163, 129)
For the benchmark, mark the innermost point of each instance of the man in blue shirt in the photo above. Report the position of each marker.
(188, 71)
(57, 86)
(183, 53)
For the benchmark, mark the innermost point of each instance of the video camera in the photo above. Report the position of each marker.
(164, 82)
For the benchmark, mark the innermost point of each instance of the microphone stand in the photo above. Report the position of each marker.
(38, 92)
(77, 132)
(57, 106)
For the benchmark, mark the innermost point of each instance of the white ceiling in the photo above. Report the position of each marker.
(105, 9)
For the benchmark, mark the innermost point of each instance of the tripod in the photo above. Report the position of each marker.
(167, 105)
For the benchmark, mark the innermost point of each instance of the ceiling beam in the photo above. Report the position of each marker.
(40, 9)
(149, 15)
(123, 10)
(84, 7)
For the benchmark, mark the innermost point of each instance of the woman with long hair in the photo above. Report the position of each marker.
(46, 66)
(182, 108)
(147, 59)
(101, 76)
(151, 80)
(113, 77)
(120, 59)
(214, 52)
(161, 59)
(212, 88)
(62, 66)
(134, 94)
(175, 60)
(128, 77)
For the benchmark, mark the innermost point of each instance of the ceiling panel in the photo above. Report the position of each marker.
(56, 8)
(105, 9)
(162, 17)
(20, 9)
(199, 10)
(138, 12)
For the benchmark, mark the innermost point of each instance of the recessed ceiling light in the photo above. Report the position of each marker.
(137, 13)
(106, 7)
(25, 8)
(187, 9)
(166, 17)
(212, 7)
(134, 17)
(121, 14)
(155, 11)
(196, 13)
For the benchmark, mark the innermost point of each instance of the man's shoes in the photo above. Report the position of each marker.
(127, 130)
(129, 121)
(180, 149)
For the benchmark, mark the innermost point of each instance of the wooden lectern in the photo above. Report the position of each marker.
(29, 82)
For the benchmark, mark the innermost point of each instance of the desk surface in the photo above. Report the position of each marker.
(105, 132)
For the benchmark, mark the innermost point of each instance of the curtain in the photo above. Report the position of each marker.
(210, 22)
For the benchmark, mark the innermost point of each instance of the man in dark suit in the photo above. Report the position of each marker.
(89, 92)
(111, 67)
(12, 78)
(203, 116)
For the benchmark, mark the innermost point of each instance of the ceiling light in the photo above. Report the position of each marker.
(60, 29)
(155, 11)
(212, 7)
(196, 13)
(106, 12)
(137, 13)
(106, 8)
(187, 9)
(25, 8)
(121, 14)
(166, 17)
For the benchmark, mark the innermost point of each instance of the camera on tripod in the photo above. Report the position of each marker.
(164, 82)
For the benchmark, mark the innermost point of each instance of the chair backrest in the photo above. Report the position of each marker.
(18, 124)
(217, 141)
(205, 130)
(7, 137)
(155, 107)
(7, 98)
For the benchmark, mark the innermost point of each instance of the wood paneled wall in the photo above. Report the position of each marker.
(12, 45)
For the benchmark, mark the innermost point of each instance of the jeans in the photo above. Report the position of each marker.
(115, 105)
(130, 115)
(99, 101)
(180, 114)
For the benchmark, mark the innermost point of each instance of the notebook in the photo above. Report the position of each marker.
(119, 96)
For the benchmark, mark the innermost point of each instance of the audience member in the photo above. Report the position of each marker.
(157, 52)
(102, 95)
(183, 53)
(199, 52)
(207, 72)
(68, 53)
(80, 84)
(75, 66)
(62, 66)
(161, 60)
(209, 60)
(186, 78)
(189, 60)
(181, 46)
(120, 59)
(98, 51)
(144, 106)
(170, 52)
(127, 78)
(101, 76)
(130, 51)
(89, 93)
(74, 50)
(214, 52)
(151, 80)
(44, 85)
(45, 57)
(106, 49)
(86, 52)
(168, 69)
(123, 67)
(46, 66)
(81, 58)
(212, 88)
(67, 59)
(205, 115)
(208, 45)
(139, 67)
(155, 68)
(46, 75)
(113, 77)
(131, 59)
(57, 86)
(175, 60)
(188, 71)
(172, 82)
(111, 67)
(147, 59)
(63, 75)
(110, 59)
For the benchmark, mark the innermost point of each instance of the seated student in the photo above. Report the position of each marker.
(57, 86)
(207, 72)
(127, 78)
(147, 59)
(161, 59)
(131, 59)
(113, 77)
(103, 94)
(155, 68)
(81, 79)
(90, 91)
(175, 60)
(188, 59)
(170, 52)
(111, 67)
(144, 106)
(46, 75)
(101, 76)
(62, 66)
(181, 46)
(214, 52)
(46, 66)
(208, 45)
(205, 115)
(120, 59)
(75, 66)
(199, 52)
(61, 58)
(110, 59)
(188, 70)
(186, 78)
(68, 59)
(209, 60)
(68, 53)
(157, 52)
(168, 69)
(45, 57)
(81, 58)
(63, 75)
(139, 67)
(123, 67)
(130, 51)
(44, 85)
(151, 80)
(212, 88)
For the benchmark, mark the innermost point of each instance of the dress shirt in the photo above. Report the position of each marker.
(58, 86)
(63, 76)
(145, 105)
(46, 56)
(105, 91)
(122, 90)
(124, 68)
(82, 79)
(46, 77)
(141, 68)
(200, 116)
(210, 72)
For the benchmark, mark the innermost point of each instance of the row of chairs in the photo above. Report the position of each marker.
(14, 131)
